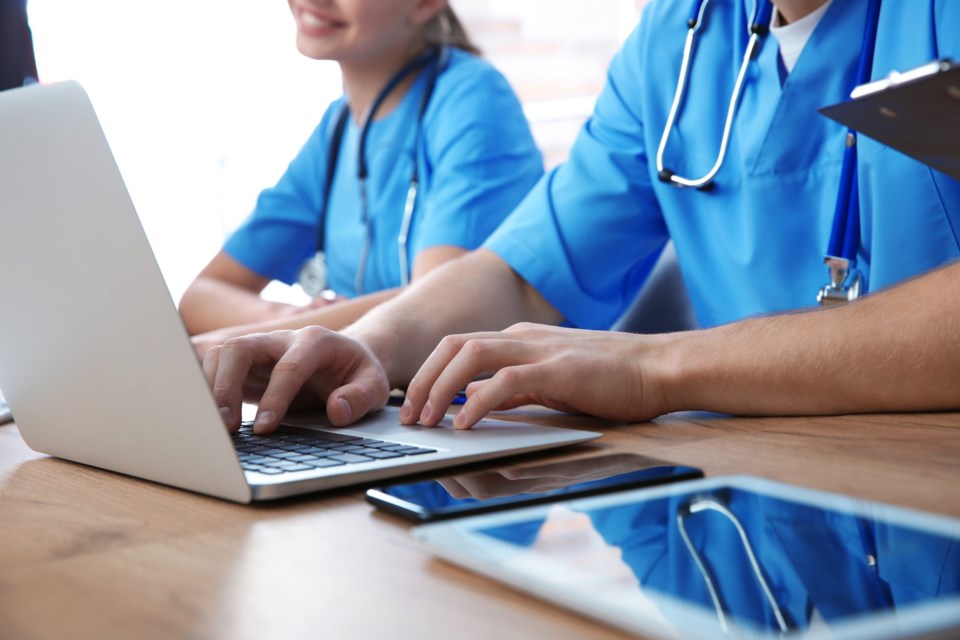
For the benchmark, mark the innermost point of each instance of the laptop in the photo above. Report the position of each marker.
(5, 415)
(94, 358)
(914, 112)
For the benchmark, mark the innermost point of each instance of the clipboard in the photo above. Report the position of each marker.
(916, 112)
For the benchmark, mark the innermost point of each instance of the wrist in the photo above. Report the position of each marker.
(383, 347)
(684, 370)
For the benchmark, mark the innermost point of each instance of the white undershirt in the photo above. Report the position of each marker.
(793, 37)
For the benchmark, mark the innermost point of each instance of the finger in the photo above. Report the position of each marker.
(366, 392)
(503, 386)
(301, 354)
(418, 391)
(454, 488)
(210, 362)
(227, 367)
(478, 355)
(511, 403)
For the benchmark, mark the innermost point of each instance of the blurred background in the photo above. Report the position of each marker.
(204, 102)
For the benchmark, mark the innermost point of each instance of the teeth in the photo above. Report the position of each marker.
(311, 20)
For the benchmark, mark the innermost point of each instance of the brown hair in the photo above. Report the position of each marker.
(446, 28)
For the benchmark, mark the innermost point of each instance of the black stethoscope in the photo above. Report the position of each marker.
(313, 275)
(846, 281)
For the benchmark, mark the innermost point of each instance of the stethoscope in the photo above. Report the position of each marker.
(313, 275)
(698, 505)
(846, 281)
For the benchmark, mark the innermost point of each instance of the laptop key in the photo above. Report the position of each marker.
(350, 458)
(414, 451)
(270, 471)
(302, 458)
(283, 455)
(323, 463)
(300, 467)
(384, 455)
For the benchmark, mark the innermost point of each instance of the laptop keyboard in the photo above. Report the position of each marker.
(292, 449)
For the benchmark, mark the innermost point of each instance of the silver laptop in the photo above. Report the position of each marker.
(95, 361)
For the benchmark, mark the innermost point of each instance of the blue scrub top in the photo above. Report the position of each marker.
(588, 234)
(477, 159)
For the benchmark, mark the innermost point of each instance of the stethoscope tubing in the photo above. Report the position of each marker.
(711, 504)
(436, 58)
(759, 27)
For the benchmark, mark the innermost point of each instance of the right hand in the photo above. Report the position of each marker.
(309, 368)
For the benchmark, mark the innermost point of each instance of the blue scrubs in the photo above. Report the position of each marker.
(588, 234)
(477, 159)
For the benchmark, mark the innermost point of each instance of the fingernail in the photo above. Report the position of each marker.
(226, 415)
(460, 420)
(425, 414)
(406, 411)
(264, 419)
(347, 411)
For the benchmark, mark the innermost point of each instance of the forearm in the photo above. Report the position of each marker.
(210, 304)
(477, 292)
(896, 350)
(334, 316)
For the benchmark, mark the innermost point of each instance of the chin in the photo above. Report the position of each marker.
(310, 48)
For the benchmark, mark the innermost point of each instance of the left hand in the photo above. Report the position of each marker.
(601, 373)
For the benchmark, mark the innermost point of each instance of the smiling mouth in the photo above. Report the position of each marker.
(312, 23)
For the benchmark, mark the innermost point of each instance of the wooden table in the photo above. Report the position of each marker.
(90, 554)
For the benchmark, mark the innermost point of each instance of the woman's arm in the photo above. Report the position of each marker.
(278, 317)
(227, 294)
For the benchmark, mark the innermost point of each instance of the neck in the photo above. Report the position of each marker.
(793, 10)
(364, 79)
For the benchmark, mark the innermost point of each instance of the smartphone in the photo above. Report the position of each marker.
(484, 491)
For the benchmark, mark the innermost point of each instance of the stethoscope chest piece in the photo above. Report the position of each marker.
(313, 275)
(846, 282)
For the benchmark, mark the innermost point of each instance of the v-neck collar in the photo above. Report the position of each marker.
(769, 112)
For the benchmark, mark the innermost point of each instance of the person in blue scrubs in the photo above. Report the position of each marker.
(460, 126)
(751, 247)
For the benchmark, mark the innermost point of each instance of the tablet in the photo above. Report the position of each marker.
(915, 112)
(727, 556)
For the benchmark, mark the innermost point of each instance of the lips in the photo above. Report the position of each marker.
(317, 24)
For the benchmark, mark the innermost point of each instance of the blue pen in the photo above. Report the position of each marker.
(396, 399)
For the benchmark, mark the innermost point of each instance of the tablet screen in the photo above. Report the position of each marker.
(723, 559)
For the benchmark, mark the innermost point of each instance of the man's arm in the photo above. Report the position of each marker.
(895, 350)
(478, 292)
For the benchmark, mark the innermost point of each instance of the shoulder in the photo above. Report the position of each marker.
(467, 74)
(477, 93)
(329, 120)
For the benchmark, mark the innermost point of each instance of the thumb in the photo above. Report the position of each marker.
(365, 393)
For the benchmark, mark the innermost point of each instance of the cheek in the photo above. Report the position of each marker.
(384, 17)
